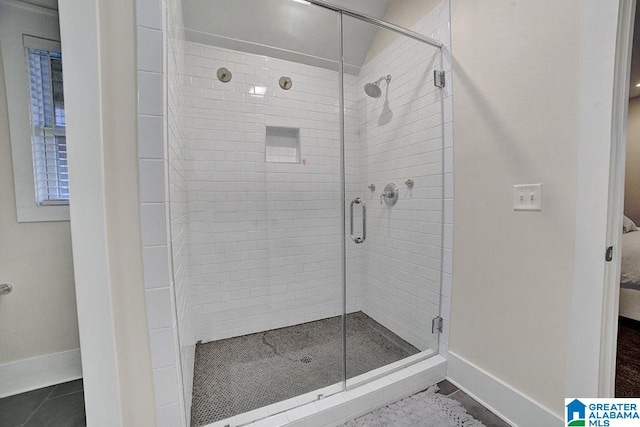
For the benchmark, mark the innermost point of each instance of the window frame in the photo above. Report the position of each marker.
(30, 42)
(19, 23)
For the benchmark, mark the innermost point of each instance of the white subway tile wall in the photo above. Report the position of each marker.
(265, 238)
(162, 348)
(257, 245)
(157, 46)
(150, 93)
(150, 58)
(167, 392)
(150, 138)
(178, 197)
(400, 137)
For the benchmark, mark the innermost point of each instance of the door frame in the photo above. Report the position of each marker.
(98, 45)
(611, 295)
(80, 38)
(602, 104)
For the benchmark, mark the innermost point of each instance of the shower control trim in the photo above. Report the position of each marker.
(390, 194)
(224, 75)
(6, 288)
(285, 82)
(358, 240)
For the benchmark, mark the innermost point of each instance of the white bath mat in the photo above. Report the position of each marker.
(424, 409)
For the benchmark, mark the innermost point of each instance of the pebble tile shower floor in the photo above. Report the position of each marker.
(239, 374)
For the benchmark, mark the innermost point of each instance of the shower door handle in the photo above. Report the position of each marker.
(359, 201)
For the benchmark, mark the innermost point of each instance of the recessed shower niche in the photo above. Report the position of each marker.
(282, 145)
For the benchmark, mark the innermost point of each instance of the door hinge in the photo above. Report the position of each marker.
(436, 324)
(438, 78)
(608, 256)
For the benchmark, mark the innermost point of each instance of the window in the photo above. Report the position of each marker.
(32, 65)
(46, 105)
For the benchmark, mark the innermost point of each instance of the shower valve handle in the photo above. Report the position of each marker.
(389, 194)
(385, 194)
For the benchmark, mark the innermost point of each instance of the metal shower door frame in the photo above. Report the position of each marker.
(438, 45)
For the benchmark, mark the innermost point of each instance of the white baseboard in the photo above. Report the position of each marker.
(511, 405)
(37, 372)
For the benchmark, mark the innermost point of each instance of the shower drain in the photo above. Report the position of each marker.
(306, 359)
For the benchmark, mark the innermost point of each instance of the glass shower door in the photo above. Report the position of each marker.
(393, 201)
(259, 177)
(306, 180)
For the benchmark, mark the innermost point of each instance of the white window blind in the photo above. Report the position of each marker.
(46, 102)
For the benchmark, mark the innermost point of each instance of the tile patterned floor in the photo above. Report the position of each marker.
(475, 409)
(240, 374)
(60, 405)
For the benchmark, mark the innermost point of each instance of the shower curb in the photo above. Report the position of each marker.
(344, 406)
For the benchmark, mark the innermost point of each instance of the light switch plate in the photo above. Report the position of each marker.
(527, 197)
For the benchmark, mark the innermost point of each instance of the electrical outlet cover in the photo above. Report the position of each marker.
(527, 197)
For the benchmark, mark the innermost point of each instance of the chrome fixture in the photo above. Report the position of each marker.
(5, 288)
(439, 78)
(372, 187)
(378, 22)
(436, 324)
(373, 89)
(409, 183)
(224, 75)
(285, 82)
(359, 201)
(390, 194)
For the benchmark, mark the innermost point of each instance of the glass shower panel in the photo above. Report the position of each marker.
(262, 187)
(394, 199)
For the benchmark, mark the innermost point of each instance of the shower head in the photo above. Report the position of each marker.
(373, 89)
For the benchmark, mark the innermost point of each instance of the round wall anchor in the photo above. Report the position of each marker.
(224, 75)
(285, 82)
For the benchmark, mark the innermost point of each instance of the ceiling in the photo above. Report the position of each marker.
(635, 59)
(287, 25)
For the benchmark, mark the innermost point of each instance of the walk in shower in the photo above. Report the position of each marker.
(306, 201)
